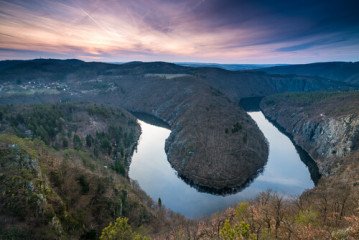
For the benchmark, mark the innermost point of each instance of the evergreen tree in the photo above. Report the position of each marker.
(77, 142)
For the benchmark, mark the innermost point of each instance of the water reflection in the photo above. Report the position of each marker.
(284, 173)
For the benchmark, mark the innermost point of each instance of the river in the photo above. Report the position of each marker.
(284, 173)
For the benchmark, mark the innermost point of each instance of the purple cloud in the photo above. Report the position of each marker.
(238, 31)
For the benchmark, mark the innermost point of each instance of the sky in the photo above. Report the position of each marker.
(222, 31)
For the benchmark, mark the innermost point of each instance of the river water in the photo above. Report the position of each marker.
(284, 173)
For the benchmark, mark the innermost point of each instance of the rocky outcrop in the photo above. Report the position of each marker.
(27, 199)
(329, 136)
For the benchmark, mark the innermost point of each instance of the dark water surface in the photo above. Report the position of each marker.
(284, 173)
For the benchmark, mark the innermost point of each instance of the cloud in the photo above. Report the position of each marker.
(312, 44)
(207, 30)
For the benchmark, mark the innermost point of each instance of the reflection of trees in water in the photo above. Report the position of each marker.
(223, 191)
(150, 119)
(250, 104)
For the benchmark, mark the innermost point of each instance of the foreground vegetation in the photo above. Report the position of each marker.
(51, 191)
(327, 214)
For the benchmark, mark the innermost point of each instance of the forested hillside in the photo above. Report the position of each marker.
(340, 71)
(63, 173)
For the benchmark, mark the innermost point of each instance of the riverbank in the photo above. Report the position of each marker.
(284, 173)
(327, 131)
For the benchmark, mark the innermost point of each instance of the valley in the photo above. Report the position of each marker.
(80, 117)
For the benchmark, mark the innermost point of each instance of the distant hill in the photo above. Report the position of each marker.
(63, 70)
(230, 67)
(340, 71)
(80, 75)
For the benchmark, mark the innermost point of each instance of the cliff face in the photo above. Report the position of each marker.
(326, 125)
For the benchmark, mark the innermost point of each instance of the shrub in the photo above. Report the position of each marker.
(240, 230)
(85, 186)
(119, 168)
(65, 143)
(307, 217)
(89, 140)
(120, 230)
(236, 127)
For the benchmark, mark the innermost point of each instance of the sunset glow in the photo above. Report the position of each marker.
(207, 31)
